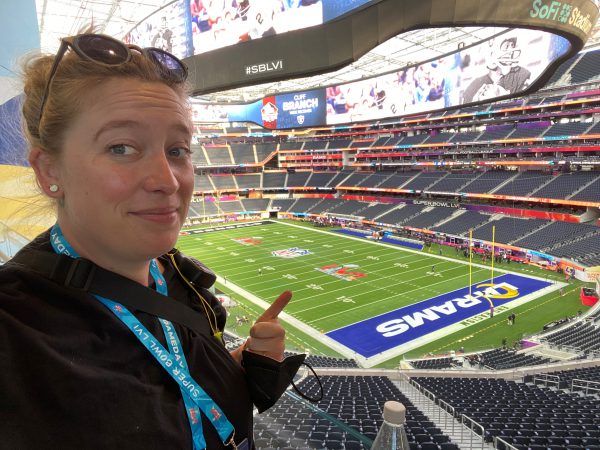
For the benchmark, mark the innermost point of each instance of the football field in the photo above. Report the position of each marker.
(365, 299)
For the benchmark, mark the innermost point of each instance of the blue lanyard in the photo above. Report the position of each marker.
(172, 360)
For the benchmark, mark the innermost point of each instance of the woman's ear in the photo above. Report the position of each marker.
(46, 172)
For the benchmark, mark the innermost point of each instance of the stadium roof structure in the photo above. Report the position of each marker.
(59, 18)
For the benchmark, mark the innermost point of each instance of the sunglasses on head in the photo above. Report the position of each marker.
(108, 51)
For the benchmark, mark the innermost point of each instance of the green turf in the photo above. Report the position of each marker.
(394, 278)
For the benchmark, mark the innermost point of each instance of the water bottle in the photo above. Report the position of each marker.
(392, 435)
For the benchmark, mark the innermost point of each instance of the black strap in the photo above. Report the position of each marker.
(83, 275)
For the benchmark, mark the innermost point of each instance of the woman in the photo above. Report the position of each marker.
(109, 131)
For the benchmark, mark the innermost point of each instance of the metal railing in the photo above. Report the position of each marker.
(449, 411)
(506, 445)
(590, 387)
(547, 379)
(471, 423)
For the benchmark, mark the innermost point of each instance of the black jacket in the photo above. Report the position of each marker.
(73, 376)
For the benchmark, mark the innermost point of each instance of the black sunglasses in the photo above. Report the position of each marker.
(108, 51)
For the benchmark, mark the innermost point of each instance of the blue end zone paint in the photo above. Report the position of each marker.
(385, 239)
(419, 319)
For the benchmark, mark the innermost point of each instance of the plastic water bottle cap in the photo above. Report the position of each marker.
(394, 412)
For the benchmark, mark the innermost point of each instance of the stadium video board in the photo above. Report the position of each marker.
(504, 65)
(343, 40)
(192, 27)
(233, 43)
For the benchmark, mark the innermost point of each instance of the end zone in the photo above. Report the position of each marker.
(390, 334)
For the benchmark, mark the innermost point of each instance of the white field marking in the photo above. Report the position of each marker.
(363, 267)
(396, 351)
(284, 264)
(387, 288)
(335, 281)
(372, 302)
(422, 255)
(312, 332)
(384, 253)
(442, 332)
(405, 249)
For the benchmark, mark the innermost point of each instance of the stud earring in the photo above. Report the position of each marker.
(53, 188)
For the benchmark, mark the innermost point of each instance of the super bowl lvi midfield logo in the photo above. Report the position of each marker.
(343, 272)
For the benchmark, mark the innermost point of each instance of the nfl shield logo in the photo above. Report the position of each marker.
(293, 252)
(301, 119)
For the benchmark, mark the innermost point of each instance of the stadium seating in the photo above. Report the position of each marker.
(198, 155)
(461, 224)
(507, 228)
(487, 181)
(284, 204)
(350, 411)
(290, 145)
(564, 185)
(566, 377)
(374, 211)
(586, 68)
(590, 193)
(496, 132)
(529, 130)
(263, 151)
(355, 178)
(320, 179)
(581, 336)
(429, 218)
(423, 180)
(433, 363)
(347, 207)
(554, 233)
(325, 205)
(519, 413)
(218, 155)
(303, 205)
(401, 214)
(329, 361)
(297, 179)
(248, 181)
(202, 183)
(398, 179)
(242, 153)
(258, 204)
(567, 129)
(524, 183)
(499, 359)
(223, 182)
(314, 145)
(338, 144)
(274, 180)
(373, 180)
(585, 250)
(452, 182)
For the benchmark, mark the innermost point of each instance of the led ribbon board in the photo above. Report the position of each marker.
(519, 61)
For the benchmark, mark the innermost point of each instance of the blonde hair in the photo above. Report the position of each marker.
(74, 77)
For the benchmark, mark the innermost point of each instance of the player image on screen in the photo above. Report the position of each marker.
(261, 17)
(221, 23)
(505, 75)
(164, 30)
(163, 37)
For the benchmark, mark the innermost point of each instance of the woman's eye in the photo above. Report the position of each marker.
(179, 152)
(122, 149)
